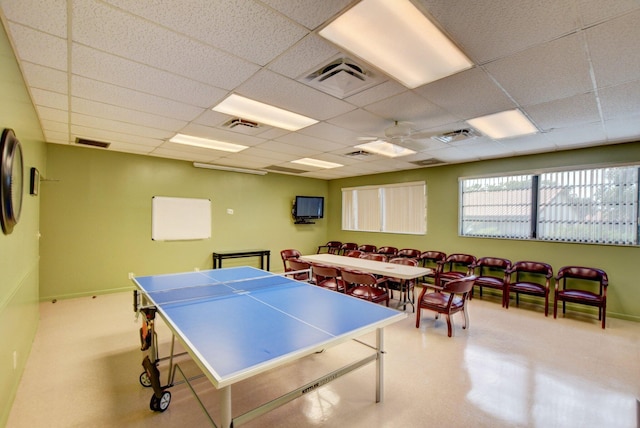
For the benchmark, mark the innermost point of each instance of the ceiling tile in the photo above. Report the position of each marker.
(468, 94)
(565, 112)
(38, 47)
(49, 99)
(595, 11)
(106, 125)
(111, 30)
(576, 136)
(305, 56)
(620, 101)
(310, 13)
(38, 76)
(94, 133)
(274, 89)
(131, 99)
(118, 71)
(611, 46)
(408, 106)
(49, 16)
(550, 71)
(247, 29)
(489, 30)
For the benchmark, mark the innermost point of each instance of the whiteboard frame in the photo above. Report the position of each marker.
(180, 219)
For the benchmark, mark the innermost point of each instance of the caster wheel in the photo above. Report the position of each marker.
(160, 405)
(145, 379)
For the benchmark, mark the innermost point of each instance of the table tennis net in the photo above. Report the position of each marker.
(219, 289)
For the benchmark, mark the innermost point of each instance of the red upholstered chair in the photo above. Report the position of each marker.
(354, 253)
(348, 246)
(289, 254)
(409, 253)
(491, 272)
(530, 278)
(364, 285)
(297, 265)
(374, 256)
(388, 251)
(366, 248)
(431, 259)
(455, 266)
(396, 283)
(450, 298)
(328, 277)
(576, 284)
(331, 247)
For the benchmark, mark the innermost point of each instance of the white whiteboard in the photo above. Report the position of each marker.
(174, 219)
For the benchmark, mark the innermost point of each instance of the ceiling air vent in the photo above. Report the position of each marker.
(342, 77)
(358, 153)
(92, 143)
(428, 162)
(243, 123)
(458, 135)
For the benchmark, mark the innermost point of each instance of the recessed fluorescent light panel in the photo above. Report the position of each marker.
(506, 124)
(317, 163)
(206, 143)
(235, 105)
(383, 148)
(396, 37)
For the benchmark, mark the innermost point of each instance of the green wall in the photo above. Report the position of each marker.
(97, 222)
(442, 221)
(19, 250)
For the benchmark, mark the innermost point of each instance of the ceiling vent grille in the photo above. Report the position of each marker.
(358, 153)
(243, 123)
(428, 162)
(342, 77)
(92, 143)
(457, 135)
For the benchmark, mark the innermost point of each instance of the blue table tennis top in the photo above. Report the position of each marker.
(236, 329)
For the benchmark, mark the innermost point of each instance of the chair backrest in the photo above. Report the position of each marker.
(388, 251)
(432, 257)
(297, 264)
(366, 248)
(374, 256)
(354, 253)
(348, 246)
(355, 277)
(528, 267)
(404, 261)
(289, 254)
(456, 261)
(321, 272)
(460, 286)
(332, 247)
(583, 274)
(409, 252)
(492, 265)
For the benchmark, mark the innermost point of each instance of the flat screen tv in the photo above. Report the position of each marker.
(308, 207)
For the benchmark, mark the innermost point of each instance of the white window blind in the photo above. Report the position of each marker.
(496, 207)
(593, 206)
(399, 208)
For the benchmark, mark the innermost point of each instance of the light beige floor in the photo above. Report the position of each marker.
(512, 368)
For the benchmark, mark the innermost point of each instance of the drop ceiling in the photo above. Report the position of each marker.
(134, 73)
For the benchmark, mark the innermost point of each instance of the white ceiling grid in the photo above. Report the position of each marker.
(134, 73)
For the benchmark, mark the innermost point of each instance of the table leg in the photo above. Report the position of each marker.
(225, 406)
(380, 365)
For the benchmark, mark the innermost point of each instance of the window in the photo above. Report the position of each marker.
(398, 208)
(592, 206)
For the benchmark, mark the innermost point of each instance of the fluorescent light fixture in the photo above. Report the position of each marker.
(383, 148)
(229, 168)
(506, 124)
(206, 143)
(235, 105)
(317, 163)
(396, 37)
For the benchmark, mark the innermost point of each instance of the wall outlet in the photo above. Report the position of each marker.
(15, 360)
(230, 211)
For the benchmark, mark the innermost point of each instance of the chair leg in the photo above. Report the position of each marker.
(418, 317)
(466, 317)
(604, 315)
(555, 307)
(449, 325)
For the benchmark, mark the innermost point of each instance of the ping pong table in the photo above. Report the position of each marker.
(238, 322)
